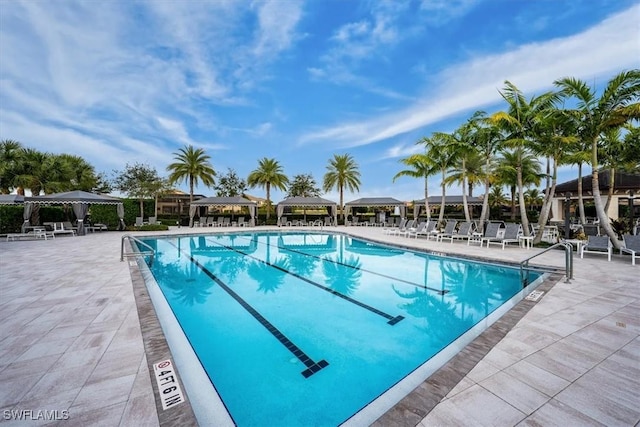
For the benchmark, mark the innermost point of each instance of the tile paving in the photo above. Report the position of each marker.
(71, 340)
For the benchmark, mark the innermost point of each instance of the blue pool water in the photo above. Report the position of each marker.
(301, 329)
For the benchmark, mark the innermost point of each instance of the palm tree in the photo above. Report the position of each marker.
(442, 157)
(521, 123)
(342, 171)
(191, 165)
(420, 166)
(488, 142)
(507, 173)
(10, 152)
(497, 198)
(617, 105)
(268, 174)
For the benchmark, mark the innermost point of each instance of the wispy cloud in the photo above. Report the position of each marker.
(597, 52)
(128, 80)
(439, 12)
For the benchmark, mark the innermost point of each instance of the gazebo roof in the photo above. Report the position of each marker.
(307, 201)
(76, 196)
(11, 199)
(623, 182)
(224, 201)
(450, 201)
(375, 201)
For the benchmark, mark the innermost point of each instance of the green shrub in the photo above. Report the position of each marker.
(10, 218)
(154, 227)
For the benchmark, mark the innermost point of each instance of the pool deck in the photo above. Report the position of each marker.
(71, 342)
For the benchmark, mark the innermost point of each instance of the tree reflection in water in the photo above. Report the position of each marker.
(439, 313)
(269, 278)
(187, 282)
(344, 279)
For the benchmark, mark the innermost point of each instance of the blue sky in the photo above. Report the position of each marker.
(121, 81)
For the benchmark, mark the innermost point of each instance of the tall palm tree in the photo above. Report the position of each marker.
(507, 173)
(82, 174)
(268, 174)
(443, 157)
(191, 165)
(617, 105)
(488, 142)
(521, 122)
(342, 171)
(419, 166)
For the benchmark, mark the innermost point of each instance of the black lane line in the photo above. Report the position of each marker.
(312, 367)
(439, 291)
(391, 319)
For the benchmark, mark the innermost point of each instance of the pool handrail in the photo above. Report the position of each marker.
(150, 252)
(568, 252)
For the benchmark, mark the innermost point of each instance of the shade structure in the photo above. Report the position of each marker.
(309, 202)
(225, 201)
(622, 183)
(11, 199)
(418, 205)
(76, 197)
(376, 202)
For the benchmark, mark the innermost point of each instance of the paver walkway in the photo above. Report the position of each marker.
(70, 341)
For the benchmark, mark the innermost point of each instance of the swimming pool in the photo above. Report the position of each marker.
(309, 328)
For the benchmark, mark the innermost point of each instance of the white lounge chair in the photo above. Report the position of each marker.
(465, 229)
(491, 232)
(511, 234)
(631, 246)
(58, 228)
(449, 230)
(598, 245)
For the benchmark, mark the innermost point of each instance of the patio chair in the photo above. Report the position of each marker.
(327, 221)
(491, 232)
(449, 229)
(354, 221)
(59, 228)
(511, 234)
(226, 222)
(241, 222)
(219, 222)
(402, 230)
(416, 230)
(598, 245)
(464, 231)
(631, 246)
(202, 221)
(393, 229)
(139, 222)
(153, 220)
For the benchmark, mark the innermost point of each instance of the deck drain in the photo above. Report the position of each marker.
(621, 325)
(534, 296)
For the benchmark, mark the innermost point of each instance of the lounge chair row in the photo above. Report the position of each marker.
(285, 222)
(209, 221)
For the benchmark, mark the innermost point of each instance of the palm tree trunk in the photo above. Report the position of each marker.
(546, 203)
(612, 179)
(268, 200)
(190, 199)
(583, 218)
(513, 203)
(341, 205)
(426, 197)
(444, 197)
(523, 208)
(465, 205)
(595, 182)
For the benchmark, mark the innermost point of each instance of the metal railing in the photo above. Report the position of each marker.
(568, 254)
(136, 253)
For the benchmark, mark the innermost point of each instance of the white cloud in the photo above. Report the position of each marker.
(598, 52)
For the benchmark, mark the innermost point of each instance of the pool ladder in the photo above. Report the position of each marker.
(150, 252)
(568, 266)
